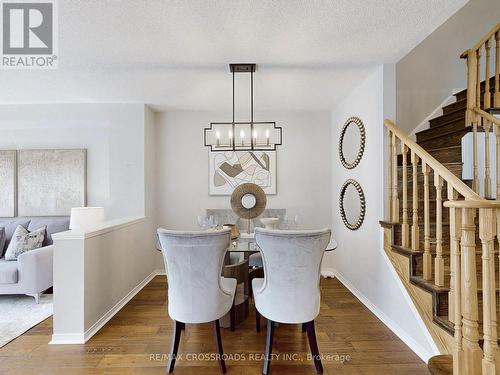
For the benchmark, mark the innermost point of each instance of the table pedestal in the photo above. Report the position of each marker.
(238, 271)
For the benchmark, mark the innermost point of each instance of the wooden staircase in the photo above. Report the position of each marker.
(441, 236)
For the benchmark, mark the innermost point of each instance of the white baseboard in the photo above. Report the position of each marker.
(407, 296)
(393, 326)
(67, 339)
(82, 338)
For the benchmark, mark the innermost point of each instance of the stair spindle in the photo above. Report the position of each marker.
(477, 121)
(478, 78)
(389, 185)
(490, 347)
(470, 115)
(487, 173)
(471, 88)
(438, 260)
(496, 96)
(487, 94)
(414, 222)
(427, 239)
(475, 178)
(497, 155)
(395, 197)
(405, 226)
(472, 354)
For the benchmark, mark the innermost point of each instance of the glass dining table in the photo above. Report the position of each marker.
(236, 265)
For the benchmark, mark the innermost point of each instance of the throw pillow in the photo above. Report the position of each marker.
(23, 241)
(3, 238)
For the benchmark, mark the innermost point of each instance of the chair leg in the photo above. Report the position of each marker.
(269, 347)
(232, 318)
(218, 343)
(304, 327)
(311, 335)
(178, 326)
(257, 320)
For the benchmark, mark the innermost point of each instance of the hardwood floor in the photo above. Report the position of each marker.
(137, 341)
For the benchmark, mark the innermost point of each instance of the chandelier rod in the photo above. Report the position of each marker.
(233, 127)
(252, 138)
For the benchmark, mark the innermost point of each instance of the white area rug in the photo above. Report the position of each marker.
(18, 313)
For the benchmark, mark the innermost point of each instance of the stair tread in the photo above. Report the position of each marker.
(433, 129)
(406, 250)
(429, 285)
(444, 323)
(462, 101)
(444, 148)
(455, 103)
(450, 121)
(464, 130)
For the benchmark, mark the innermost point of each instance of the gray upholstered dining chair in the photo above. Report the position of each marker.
(289, 291)
(196, 291)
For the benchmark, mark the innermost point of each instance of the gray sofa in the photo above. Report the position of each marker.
(31, 273)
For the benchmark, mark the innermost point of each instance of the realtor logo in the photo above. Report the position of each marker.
(29, 34)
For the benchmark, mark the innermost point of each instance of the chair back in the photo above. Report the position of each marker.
(193, 263)
(292, 260)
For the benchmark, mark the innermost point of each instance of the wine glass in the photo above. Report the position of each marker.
(202, 221)
(212, 222)
(297, 220)
(285, 222)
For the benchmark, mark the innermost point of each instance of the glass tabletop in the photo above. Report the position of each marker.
(247, 244)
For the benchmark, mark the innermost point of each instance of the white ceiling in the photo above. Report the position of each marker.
(174, 54)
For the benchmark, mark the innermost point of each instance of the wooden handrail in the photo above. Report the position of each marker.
(481, 42)
(487, 116)
(473, 203)
(435, 165)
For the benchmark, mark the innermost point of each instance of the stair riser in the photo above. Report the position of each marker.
(463, 94)
(461, 104)
(453, 116)
(453, 139)
(458, 124)
(446, 155)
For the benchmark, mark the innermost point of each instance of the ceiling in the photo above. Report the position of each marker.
(175, 53)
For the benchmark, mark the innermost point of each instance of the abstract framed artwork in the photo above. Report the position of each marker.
(51, 182)
(229, 169)
(8, 160)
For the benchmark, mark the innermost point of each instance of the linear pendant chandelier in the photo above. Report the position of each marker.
(243, 136)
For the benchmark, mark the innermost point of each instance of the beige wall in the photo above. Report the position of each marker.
(430, 72)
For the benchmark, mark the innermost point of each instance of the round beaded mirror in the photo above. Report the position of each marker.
(352, 204)
(352, 142)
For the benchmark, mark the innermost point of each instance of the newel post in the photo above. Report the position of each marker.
(486, 233)
(472, 354)
(454, 307)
